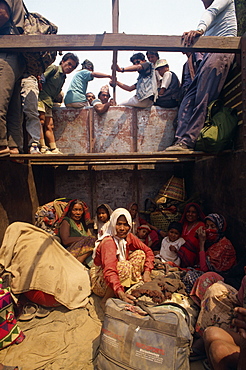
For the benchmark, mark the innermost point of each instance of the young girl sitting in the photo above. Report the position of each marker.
(171, 243)
(102, 219)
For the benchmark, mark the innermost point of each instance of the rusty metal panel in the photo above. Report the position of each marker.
(113, 131)
(155, 128)
(120, 130)
(71, 130)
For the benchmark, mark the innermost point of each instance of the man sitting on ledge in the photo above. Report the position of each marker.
(169, 86)
(146, 86)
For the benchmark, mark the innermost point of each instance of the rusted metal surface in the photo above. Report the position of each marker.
(155, 128)
(113, 131)
(120, 130)
(71, 130)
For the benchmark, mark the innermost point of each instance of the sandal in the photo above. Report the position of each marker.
(197, 355)
(206, 365)
(42, 312)
(28, 312)
(11, 367)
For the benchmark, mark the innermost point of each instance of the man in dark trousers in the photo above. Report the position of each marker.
(11, 69)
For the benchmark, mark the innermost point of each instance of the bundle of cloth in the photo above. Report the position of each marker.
(160, 288)
(37, 261)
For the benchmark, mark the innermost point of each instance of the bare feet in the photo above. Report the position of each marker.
(14, 150)
(4, 151)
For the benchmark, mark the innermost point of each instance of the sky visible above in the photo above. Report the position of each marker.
(156, 17)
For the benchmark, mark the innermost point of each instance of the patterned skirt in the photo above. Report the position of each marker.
(85, 245)
(130, 272)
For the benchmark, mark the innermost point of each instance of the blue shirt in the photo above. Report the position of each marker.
(219, 19)
(78, 86)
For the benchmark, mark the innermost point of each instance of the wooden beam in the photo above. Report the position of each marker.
(243, 61)
(116, 41)
(115, 29)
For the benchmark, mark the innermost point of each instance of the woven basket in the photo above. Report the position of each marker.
(173, 189)
(161, 220)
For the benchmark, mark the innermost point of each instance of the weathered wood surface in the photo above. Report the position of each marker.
(110, 158)
(117, 41)
(243, 70)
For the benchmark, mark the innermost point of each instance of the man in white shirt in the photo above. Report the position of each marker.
(169, 86)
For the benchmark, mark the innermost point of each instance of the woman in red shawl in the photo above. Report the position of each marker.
(192, 220)
(73, 230)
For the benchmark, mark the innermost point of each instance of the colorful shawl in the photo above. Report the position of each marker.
(86, 215)
(220, 223)
(221, 256)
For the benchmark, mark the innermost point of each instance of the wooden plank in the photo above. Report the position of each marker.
(106, 156)
(110, 159)
(243, 63)
(117, 41)
(234, 78)
(115, 29)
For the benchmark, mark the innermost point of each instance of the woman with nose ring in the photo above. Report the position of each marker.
(73, 230)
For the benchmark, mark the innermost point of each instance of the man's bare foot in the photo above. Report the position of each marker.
(14, 150)
(4, 151)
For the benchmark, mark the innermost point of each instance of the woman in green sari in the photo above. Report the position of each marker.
(73, 230)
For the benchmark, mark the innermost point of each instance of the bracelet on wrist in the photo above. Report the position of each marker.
(122, 70)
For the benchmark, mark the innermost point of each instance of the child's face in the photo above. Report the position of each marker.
(173, 235)
(142, 233)
(68, 66)
(102, 215)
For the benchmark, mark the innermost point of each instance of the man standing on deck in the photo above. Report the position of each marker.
(219, 19)
(11, 68)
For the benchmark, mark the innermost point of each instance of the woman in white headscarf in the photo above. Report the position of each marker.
(120, 259)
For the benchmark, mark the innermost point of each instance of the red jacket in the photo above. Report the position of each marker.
(107, 258)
